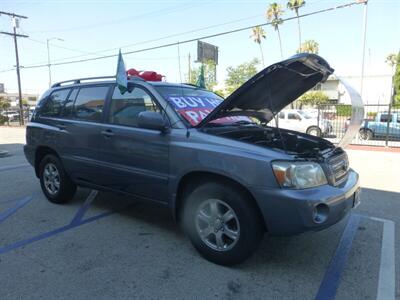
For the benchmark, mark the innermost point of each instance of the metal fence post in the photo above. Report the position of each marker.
(388, 124)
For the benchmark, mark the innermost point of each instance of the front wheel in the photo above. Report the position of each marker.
(366, 134)
(56, 185)
(222, 223)
(314, 130)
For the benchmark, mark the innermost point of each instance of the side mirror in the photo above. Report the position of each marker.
(152, 120)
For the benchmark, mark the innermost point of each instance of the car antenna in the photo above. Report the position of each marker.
(271, 104)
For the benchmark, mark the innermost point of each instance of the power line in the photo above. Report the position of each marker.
(185, 5)
(151, 40)
(194, 39)
(147, 41)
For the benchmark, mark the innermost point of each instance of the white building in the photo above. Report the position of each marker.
(376, 88)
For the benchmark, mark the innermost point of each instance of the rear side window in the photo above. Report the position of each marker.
(89, 103)
(52, 107)
(68, 110)
(125, 108)
(281, 115)
(292, 116)
(385, 117)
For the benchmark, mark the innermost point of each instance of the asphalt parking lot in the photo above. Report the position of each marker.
(104, 246)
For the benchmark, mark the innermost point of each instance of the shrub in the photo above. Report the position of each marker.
(343, 110)
(3, 119)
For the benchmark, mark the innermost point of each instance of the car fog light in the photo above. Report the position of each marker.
(320, 213)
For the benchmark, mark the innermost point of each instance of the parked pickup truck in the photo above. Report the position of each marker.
(377, 128)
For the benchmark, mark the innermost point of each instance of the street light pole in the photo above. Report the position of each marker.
(363, 49)
(48, 56)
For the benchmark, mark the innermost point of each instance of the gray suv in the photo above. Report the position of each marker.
(226, 176)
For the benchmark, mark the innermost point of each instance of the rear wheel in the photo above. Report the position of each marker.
(222, 223)
(366, 134)
(56, 185)
(314, 130)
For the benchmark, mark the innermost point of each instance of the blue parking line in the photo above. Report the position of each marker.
(51, 233)
(12, 167)
(330, 283)
(81, 212)
(12, 210)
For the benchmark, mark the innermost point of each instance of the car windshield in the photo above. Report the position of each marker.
(194, 104)
(305, 114)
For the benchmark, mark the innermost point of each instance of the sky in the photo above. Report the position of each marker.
(95, 28)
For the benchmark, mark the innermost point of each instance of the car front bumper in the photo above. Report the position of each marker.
(288, 212)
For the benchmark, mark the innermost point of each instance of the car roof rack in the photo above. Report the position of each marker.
(79, 80)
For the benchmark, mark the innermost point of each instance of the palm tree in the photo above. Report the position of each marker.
(309, 46)
(295, 5)
(392, 60)
(273, 14)
(258, 34)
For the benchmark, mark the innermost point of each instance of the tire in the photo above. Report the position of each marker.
(51, 175)
(314, 130)
(239, 234)
(366, 134)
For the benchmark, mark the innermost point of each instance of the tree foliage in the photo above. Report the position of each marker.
(4, 104)
(313, 98)
(258, 34)
(209, 75)
(309, 46)
(238, 75)
(273, 15)
(295, 5)
(393, 60)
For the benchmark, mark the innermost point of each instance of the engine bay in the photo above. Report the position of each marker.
(291, 142)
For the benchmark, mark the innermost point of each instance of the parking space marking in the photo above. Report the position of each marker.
(387, 273)
(12, 210)
(12, 167)
(81, 212)
(328, 288)
(76, 222)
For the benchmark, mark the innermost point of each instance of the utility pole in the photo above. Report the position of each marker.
(48, 55)
(15, 19)
(364, 40)
(189, 73)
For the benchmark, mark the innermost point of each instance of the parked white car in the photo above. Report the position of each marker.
(302, 121)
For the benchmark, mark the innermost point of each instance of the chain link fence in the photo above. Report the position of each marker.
(381, 125)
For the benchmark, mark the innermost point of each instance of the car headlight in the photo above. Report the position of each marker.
(298, 175)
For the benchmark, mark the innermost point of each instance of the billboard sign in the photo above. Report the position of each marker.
(206, 51)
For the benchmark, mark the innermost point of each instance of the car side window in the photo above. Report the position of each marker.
(125, 108)
(69, 104)
(293, 116)
(89, 103)
(55, 101)
(281, 115)
(385, 117)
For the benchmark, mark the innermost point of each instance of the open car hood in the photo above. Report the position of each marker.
(270, 90)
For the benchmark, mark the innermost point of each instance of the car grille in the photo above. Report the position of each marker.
(338, 167)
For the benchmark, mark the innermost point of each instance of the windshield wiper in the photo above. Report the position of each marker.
(243, 122)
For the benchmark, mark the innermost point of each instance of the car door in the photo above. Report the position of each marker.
(292, 121)
(394, 129)
(80, 122)
(134, 160)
